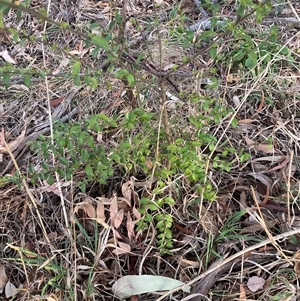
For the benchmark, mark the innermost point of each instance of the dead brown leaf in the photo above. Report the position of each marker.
(255, 283)
(124, 248)
(126, 191)
(3, 278)
(262, 101)
(55, 102)
(116, 215)
(130, 226)
(258, 227)
(116, 233)
(118, 218)
(266, 148)
(208, 221)
(245, 121)
(13, 145)
(242, 293)
(88, 208)
(243, 200)
(136, 213)
(100, 212)
(10, 290)
(297, 263)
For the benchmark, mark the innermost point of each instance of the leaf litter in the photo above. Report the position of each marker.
(104, 222)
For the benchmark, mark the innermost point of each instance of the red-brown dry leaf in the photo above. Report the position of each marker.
(55, 102)
(126, 191)
(84, 210)
(3, 278)
(262, 101)
(242, 293)
(267, 149)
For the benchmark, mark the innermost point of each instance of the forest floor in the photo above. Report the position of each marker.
(196, 131)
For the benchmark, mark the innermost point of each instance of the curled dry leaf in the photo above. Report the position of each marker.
(255, 283)
(3, 278)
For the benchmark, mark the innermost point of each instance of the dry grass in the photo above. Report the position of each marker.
(52, 247)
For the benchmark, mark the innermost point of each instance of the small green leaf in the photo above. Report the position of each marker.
(101, 42)
(77, 80)
(45, 165)
(169, 201)
(6, 78)
(213, 52)
(27, 80)
(63, 161)
(144, 201)
(130, 79)
(89, 171)
(76, 68)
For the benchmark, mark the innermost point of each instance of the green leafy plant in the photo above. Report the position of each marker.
(141, 148)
